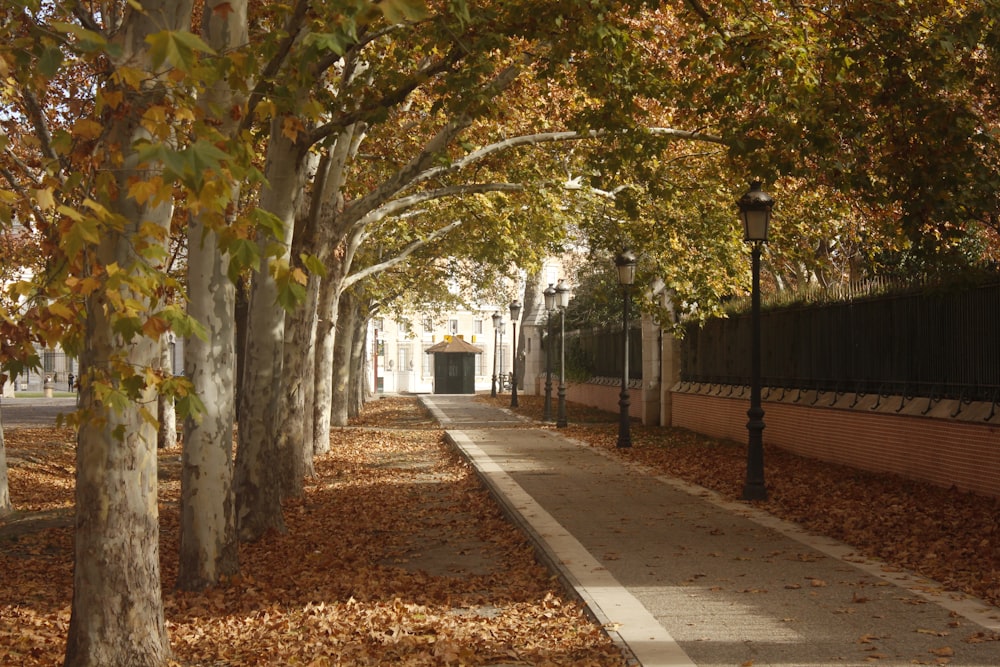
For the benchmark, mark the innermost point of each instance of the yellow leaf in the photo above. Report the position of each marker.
(110, 99)
(60, 311)
(86, 128)
(184, 113)
(89, 285)
(291, 127)
(154, 327)
(129, 76)
(143, 191)
(45, 198)
(155, 114)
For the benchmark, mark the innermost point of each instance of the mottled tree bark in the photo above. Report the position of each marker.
(117, 610)
(359, 379)
(348, 313)
(257, 480)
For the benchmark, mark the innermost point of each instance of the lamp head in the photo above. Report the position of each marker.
(625, 261)
(515, 310)
(562, 294)
(755, 213)
(550, 297)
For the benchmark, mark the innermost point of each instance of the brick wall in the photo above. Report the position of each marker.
(944, 451)
(603, 396)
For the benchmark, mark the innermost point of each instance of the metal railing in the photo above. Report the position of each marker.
(938, 344)
(598, 353)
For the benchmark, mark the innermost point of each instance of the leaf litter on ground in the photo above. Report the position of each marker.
(395, 555)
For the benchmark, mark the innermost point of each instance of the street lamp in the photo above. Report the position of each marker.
(625, 261)
(515, 313)
(550, 305)
(562, 301)
(497, 321)
(755, 213)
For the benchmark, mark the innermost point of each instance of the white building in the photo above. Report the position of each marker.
(402, 365)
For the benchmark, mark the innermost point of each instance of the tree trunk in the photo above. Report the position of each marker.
(358, 384)
(117, 609)
(298, 366)
(117, 565)
(329, 301)
(166, 436)
(208, 546)
(257, 480)
(349, 312)
(5, 505)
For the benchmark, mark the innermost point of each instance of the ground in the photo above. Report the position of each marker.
(396, 555)
(947, 535)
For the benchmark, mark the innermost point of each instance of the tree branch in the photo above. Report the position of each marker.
(397, 206)
(293, 26)
(550, 137)
(387, 101)
(709, 20)
(401, 256)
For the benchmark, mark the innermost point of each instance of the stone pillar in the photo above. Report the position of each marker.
(534, 359)
(670, 372)
(651, 378)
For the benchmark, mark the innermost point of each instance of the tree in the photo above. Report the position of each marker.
(208, 542)
(117, 532)
(98, 121)
(893, 103)
(16, 348)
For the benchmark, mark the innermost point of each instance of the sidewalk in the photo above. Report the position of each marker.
(679, 577)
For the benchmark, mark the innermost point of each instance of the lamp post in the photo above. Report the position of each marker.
(550, 305)
(515, 313)
(625, 261)
(755, 212)
(562, 301)
(496, 328)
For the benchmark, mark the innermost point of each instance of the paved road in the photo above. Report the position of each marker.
(22, 412)
(681, 577)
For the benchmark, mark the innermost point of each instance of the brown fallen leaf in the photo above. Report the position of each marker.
(379, 567)
(944, 651)
(936, 633)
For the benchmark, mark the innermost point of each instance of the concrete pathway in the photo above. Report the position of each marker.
(679, 577)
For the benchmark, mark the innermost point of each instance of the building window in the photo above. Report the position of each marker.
(453, 327)
(428, 325)
(378, 323)
(477, 326)
(404, 358)
(425, 363)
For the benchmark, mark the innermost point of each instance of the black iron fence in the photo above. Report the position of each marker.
(936, 343)
(598, 353)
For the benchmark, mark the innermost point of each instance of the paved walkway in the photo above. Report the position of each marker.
(680, 577)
